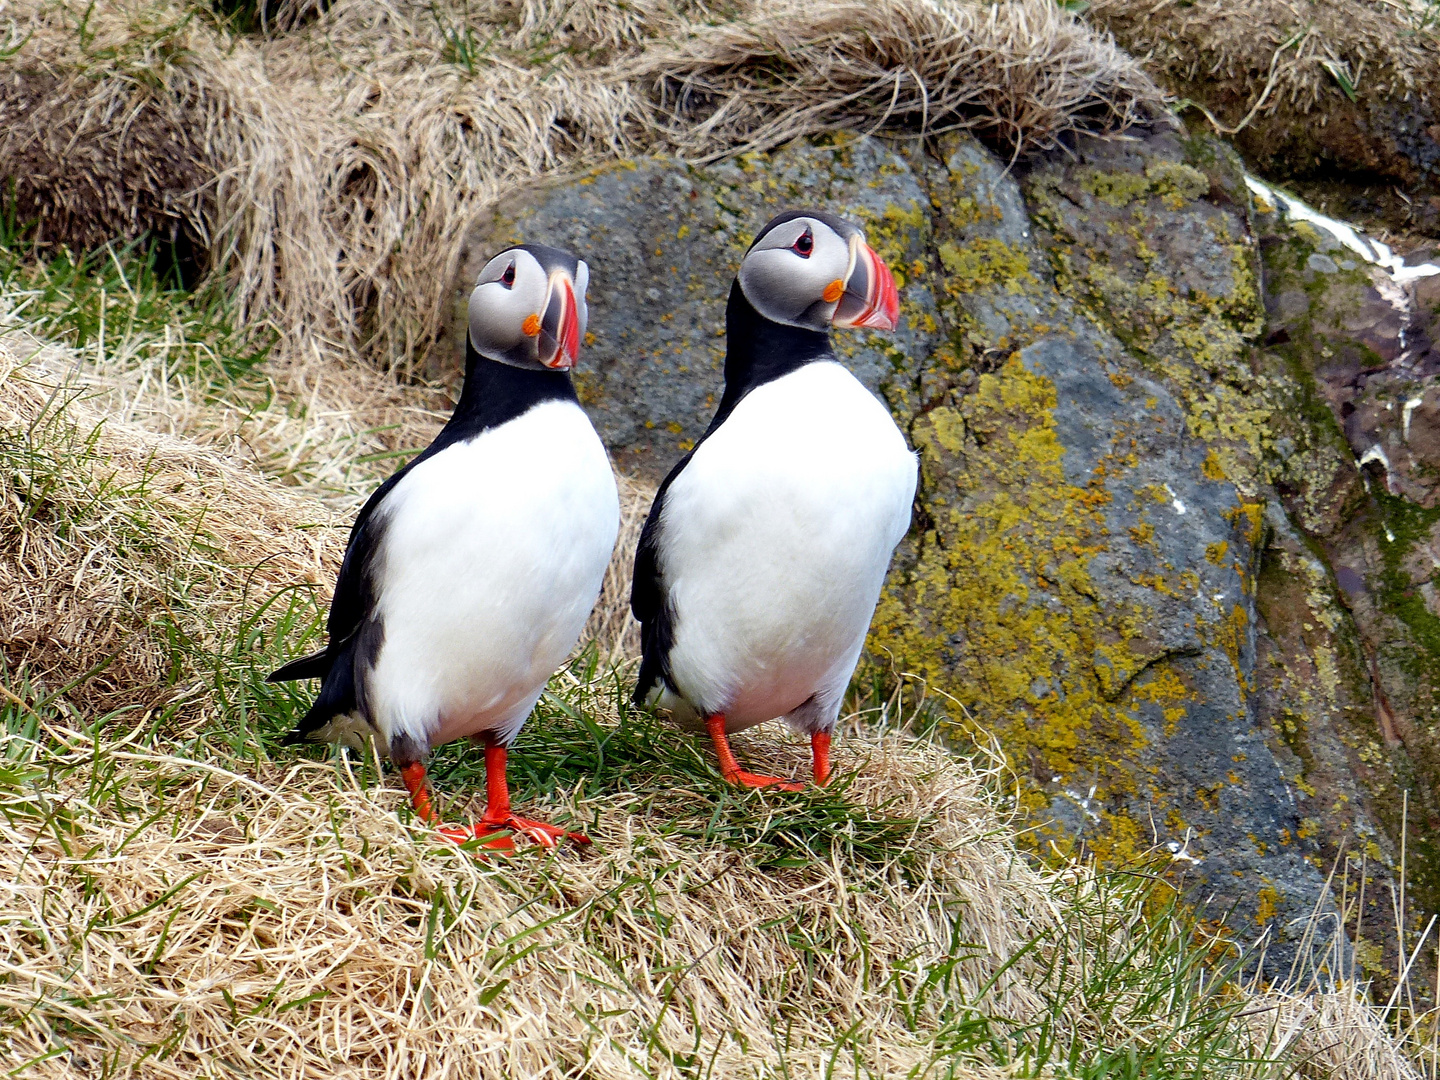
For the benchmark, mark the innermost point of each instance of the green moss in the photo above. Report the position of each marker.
(1400, 526)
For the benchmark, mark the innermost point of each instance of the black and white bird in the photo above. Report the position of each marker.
(470, 573)
(763, 556)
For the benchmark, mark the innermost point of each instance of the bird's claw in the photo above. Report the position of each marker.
(496, 835)
(548, 836)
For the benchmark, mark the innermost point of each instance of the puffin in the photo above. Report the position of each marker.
(469, 574)
(762, 558)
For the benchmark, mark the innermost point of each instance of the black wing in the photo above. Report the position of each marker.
(353, 594)
(349, 610)
(649, 602)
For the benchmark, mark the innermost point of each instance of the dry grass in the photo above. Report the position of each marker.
(182, 898)
(1336, 1033)
(148, 361)
(292, 926)
(341, 163)
(1260, 57)
(115, 538)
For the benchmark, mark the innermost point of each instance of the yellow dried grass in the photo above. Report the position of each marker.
(110, 534)
(1255, 58)
(343, 161)
(303, 940)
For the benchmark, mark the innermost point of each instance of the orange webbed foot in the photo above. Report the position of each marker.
(491, 840)
(730, 768)
(496, 831)
(742, 778)
(500, 835)
(547, 836)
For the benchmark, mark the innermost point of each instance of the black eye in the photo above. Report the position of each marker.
(508, 278)
(805, 245)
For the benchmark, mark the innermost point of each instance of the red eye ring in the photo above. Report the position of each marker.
(508, 277)
(804, 244)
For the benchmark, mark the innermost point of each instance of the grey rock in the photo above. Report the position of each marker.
(664, 242)
(1102, 572)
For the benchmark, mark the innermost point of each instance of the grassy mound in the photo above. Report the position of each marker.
(121, 546)
(1343, 96)
(183, 897)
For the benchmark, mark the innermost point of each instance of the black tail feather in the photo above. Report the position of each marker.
(337, 692)
(314, 666)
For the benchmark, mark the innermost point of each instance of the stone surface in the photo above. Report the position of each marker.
(1146, 558)
(664, 243)
(1085, 582)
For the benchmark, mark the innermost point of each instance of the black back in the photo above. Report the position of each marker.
(757, 351)
(494, 393)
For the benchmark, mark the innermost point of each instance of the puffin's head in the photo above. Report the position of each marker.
(528, 307)
(814, 270)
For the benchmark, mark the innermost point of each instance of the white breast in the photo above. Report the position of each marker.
(492, 557)
(774, 543)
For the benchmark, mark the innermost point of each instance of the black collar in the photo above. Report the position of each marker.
(496, 393)
(759, 350)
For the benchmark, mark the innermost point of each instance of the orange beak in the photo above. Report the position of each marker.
(871, 299)
(559, 342)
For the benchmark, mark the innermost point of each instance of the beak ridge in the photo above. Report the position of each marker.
(559, 342)
(871, 299)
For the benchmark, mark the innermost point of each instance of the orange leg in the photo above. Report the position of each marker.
(820, 751)
(730, 768)
(414, 777)
(497, 810)
(498, 821)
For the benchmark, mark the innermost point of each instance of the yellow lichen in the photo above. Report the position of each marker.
(985, 262)
(1268, 902)
(1010, 545)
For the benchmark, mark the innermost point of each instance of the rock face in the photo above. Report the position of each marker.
(663, 245)
(1144, 558)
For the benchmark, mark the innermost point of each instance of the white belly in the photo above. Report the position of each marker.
(493, 555)
(775, 540)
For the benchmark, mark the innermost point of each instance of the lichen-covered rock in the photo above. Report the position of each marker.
(1134, 485)
(1347, 596)
(1364, 340)
(664, 243)
(1093, 440)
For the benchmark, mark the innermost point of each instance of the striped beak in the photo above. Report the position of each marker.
(559, 342)
(871, 299)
